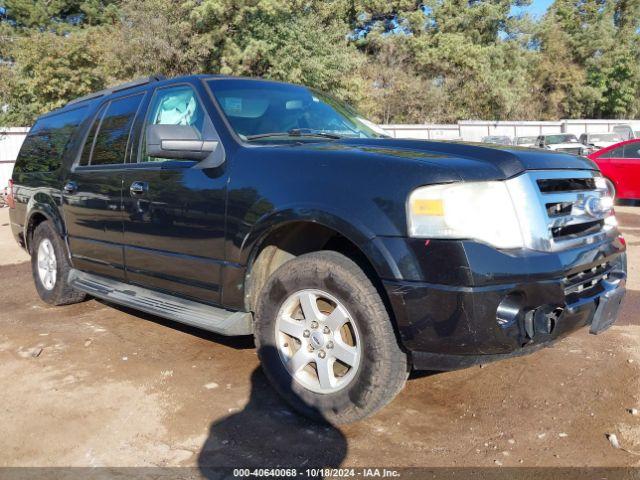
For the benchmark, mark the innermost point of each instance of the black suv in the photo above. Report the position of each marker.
(249, 207)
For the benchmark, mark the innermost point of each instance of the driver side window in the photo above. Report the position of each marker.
(177, 105)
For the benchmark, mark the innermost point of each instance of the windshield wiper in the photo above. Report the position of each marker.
(295, 132)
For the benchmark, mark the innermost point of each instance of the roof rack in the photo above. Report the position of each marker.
(118, 88)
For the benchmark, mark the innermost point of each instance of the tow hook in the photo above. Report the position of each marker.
(542, 319)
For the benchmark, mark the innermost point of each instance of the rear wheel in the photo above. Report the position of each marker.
(325, 339)
(50, 267)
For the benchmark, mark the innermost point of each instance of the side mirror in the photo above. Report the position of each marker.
(178, 142)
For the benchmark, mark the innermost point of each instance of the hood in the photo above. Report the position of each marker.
(469, 161)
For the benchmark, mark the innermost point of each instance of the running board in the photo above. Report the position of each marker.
(189, 312)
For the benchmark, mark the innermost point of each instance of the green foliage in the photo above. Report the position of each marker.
(397, 60)
(285, 40)
(49, 70)
(48, 14)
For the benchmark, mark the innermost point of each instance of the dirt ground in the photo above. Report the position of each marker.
(97, 385)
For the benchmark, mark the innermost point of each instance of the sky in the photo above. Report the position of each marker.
(537, 7)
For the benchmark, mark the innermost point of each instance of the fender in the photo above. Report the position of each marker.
(44, 204)
(353, 230)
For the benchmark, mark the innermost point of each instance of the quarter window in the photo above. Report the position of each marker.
(47, 142)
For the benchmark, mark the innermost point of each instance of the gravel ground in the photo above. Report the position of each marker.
(93, 384)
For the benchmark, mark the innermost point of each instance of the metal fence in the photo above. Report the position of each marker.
(468, 130)
(474, 130)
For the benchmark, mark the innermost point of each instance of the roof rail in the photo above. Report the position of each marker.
(118, 88)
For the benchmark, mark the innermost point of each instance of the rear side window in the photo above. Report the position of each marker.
(47, 141)
(632, 150)
(108, 138)
(88, 144)
(615, 153)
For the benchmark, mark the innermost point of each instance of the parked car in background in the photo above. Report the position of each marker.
(627, 130)
(598, 141)
(620, 164)
(562, 142)
(497, 140)
(526, 141)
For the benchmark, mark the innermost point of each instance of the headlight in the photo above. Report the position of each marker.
(481, 211)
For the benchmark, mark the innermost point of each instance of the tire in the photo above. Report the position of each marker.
(48, 254)
(379, 368)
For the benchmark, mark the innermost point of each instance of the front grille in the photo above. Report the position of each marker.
(573, 151)
(554, 185)
(559, 209)
(587, 282)
(577, 229)
(562, 209)
(568, 215)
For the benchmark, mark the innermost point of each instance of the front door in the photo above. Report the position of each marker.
(624, 165)
(174, 219)
(93, 190)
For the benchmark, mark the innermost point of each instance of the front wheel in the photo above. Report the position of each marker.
(325, 339)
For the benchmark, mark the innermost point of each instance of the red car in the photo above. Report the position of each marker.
(620, 163)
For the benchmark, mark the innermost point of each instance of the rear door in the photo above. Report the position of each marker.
(93, 189)
(174, 210)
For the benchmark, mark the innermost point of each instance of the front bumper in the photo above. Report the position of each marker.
(487, 305)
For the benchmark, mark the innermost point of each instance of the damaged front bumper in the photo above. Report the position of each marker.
(446, 327)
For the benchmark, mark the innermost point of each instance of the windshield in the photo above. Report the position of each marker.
(554, 139)
(605, 137)
(500, 140)
(525, 140)
(256, 109)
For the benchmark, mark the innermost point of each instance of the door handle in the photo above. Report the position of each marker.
(70, 187)
(139, 188)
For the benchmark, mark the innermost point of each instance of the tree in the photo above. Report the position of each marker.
(395, 93)
(151, 37)
(52, 13)
(596, 41)
(285, 40)
(399, 60)
(49, 71)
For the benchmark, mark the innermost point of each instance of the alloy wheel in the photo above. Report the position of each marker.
(318, 341)
(47, 264)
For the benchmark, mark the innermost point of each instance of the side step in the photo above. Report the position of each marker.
(192, 313)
